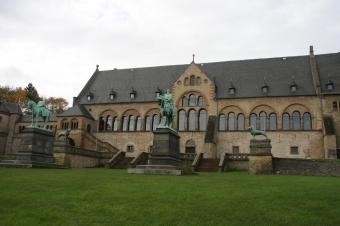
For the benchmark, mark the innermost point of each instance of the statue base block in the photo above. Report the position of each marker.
(36, 150)
(260, 159)
(166, 148)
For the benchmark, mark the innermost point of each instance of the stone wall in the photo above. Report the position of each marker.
(305, 167)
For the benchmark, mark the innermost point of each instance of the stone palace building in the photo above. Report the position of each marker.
(295, 99)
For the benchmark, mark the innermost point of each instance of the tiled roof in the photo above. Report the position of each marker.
(247, 77)
(12, 108)
(329, 69)
(77, 110)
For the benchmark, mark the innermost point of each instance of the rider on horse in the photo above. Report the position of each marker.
(167, 108)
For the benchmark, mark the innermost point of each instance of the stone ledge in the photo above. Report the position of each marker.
(155, 170)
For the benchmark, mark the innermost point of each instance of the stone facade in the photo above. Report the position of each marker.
(210, 119)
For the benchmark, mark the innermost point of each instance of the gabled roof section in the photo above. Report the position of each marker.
(247, 76)
(143, 80)
(77, 110)
(329, 69)
(12, 108)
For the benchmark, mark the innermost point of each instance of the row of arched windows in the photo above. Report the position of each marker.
(129, 123)
(192, 121)
(266, 122)
(65, 124)
(192, 101)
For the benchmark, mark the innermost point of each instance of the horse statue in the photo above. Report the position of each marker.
(39, 111)
(167, 110)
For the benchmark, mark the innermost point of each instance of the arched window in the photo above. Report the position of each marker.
(240, 122)
(222, 122)
(272, 121)
(109, 123)
(202, 122)
(190, 146)
(115, 124)
(285, 121)
(263, 120)
(88, 128)
(147, 123)
(307, 121)
(192, 100)
(154, 122)
(296, 120)
(101, 124)
(138, 123)
(192, 120)
(74, 124)
(253, 120)
(335, 106)
(184, 101)
(64, 124)
(132, 123)
(231, 121)
(181, 120)
(125, 124)
(200, 101)
(192, 80)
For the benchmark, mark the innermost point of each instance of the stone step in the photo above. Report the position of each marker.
(208, 165)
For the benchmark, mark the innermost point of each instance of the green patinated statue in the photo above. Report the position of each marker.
(167, 110)
(37, 111)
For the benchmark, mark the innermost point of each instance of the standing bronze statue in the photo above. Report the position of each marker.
(167, 110)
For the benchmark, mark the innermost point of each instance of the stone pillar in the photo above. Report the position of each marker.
(260, 159)
(165, 150)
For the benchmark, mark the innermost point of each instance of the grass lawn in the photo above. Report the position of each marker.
(113, 197)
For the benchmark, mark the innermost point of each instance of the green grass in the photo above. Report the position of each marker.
(113, 197)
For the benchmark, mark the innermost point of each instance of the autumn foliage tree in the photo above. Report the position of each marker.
(56, 105)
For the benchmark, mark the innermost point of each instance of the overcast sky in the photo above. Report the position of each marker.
(56, 45)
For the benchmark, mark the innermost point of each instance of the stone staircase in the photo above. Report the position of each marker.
(208, 165)
(123, 163)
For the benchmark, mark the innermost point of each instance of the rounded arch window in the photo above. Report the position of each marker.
(190, 147)
(181, 120)
(154, 122)
(222, 122)
(124, 125)
(272, 121)
(192, 120)
(307, 121)
(192, 80)
(263, 120)
(138, 123)
(296, 120)
(285, 121)
(115, 124)
(147, 123)
(231, 121)
(240, 122)
(202, 120)
(132, 123)
(192, 100)
(184, 101)
(253, 120)
(109, 123)
(200, 101)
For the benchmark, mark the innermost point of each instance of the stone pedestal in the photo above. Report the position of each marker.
(36, 145)
(260, 159)
(165, 149)
(36, 150)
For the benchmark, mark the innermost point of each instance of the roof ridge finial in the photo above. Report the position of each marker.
(193, 57)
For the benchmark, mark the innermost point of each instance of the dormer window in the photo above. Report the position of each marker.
(112, 95)
(232, 89)
(293, 86)
(132, 94)
(158, 92)
(89, 96)
(264, 88)
(330, 85)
